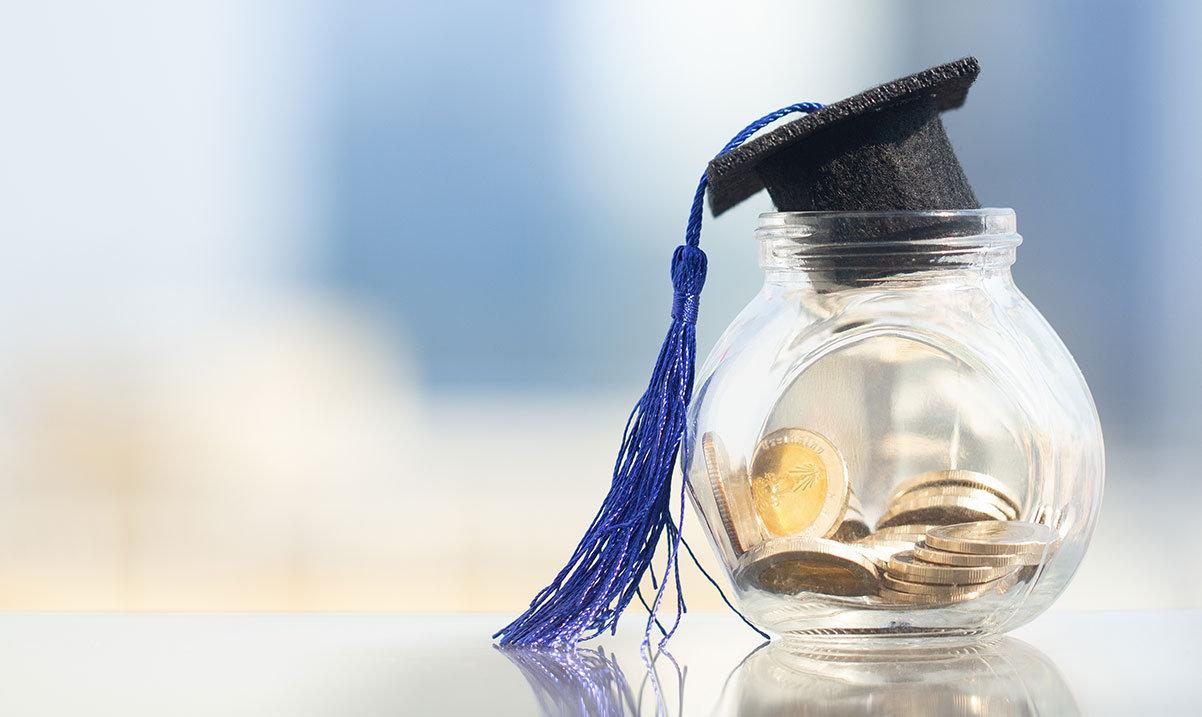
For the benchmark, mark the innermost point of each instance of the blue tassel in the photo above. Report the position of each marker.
(603, 574)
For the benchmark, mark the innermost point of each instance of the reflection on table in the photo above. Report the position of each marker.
(1009, 677)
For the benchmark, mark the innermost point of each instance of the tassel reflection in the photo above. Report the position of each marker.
(589, 682)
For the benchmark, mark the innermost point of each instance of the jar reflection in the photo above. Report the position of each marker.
(1007, 678)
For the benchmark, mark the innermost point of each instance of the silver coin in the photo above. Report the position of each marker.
(732, 493)
(905, 566)
(991, 537)
(971, 479)
(946, 557)
(942, 492)
(941, 510)
(949, 595)
(946, 591)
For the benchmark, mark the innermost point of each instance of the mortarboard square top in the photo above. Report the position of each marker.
(882, 150)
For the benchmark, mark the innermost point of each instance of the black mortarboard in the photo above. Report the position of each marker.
(883, 149)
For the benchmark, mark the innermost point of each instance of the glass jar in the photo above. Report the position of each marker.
(890, 442)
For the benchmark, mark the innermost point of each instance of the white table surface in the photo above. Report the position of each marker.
(302, 664)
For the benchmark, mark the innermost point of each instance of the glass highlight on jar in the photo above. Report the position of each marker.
(890, 442)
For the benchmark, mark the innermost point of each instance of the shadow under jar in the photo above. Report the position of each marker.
(890, 443)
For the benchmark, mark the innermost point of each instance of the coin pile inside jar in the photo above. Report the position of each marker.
(796, 526)
(966, 560)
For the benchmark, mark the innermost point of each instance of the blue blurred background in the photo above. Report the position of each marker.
(330, 305)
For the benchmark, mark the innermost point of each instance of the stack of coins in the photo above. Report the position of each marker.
(796, 526)
(938, 498)
(964, 561)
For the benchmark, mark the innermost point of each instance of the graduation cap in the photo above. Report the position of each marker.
(882, 150)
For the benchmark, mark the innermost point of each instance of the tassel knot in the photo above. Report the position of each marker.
(688, 277)
(684, 307)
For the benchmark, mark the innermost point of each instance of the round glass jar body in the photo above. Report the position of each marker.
(890, 442)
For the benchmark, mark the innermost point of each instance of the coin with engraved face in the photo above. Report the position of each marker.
(799, 483)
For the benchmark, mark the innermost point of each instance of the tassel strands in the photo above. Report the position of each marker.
(603, 574)
(590, 593)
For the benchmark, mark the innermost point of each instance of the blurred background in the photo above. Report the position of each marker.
(319, 305)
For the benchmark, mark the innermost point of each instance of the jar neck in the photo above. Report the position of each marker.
(870, 248)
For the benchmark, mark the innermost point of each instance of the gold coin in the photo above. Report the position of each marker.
(799, 483)
(906, 567)
(993, 538)
(940, 510)
(956, 491)
(732, 493)
(946, 557)
(970, 479)
(803, 564)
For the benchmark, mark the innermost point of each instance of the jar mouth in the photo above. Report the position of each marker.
(900, 241)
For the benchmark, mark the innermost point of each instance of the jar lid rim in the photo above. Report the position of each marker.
(944, 228)
(790, 217)
(893, 241)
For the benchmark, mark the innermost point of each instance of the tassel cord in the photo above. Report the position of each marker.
(603, 574)
(693, 240)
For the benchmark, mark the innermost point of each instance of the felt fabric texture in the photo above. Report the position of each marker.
(883, 149)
